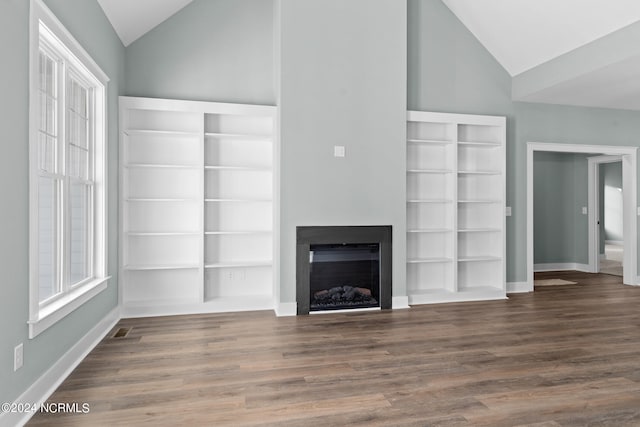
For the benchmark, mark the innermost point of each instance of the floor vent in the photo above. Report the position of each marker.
(122, 333)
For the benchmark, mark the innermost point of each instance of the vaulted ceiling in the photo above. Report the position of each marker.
(574, 52)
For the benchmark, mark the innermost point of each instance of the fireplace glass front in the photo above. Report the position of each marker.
(344, 276)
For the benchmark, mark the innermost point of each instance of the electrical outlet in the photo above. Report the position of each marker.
(18, 357)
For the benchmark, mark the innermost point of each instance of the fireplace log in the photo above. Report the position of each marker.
(363, 291)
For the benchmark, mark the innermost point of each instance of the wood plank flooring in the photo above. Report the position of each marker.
(561, 356)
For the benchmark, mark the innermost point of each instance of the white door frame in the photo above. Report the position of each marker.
(594, 208)
(629, 186)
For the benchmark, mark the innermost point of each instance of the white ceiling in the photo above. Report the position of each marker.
(522, 34)
(133, 18)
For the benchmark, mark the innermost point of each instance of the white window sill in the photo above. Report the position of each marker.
(52, 313)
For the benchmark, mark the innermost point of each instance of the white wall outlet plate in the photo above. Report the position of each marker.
(18, 357)
(338, 151)
(507, 211)
(584, 210)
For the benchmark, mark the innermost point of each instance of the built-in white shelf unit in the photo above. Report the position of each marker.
(197, 206)
(455, 207)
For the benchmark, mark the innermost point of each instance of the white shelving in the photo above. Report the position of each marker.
(197, 206)
(455, 207)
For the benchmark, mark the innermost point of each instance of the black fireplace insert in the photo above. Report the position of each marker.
(343, 267)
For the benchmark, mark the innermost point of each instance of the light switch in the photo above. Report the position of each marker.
(507, 211)
(338, 151)
(584, 210)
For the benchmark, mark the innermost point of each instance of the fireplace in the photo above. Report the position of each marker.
(343, 267)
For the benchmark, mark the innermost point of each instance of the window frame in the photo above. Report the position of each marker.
(72, 62)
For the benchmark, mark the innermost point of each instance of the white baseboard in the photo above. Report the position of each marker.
(286, 309)
(519, 287)
(44, 386)
(561, 267)
(217, 305)
(614, 242)
(401, 302)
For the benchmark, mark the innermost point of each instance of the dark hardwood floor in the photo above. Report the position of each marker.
(561, 356)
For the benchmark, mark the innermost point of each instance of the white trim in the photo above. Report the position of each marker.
(518, 287)
(45, 28)
(52, 313)
(593, 204)
(629, 179)
(127, 102)
(400, 302)
(48, 382)
(562, 266)
(286, 309)
(216, 305)
(614, 242)
(39, 11)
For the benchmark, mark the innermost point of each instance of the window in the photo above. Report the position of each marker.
(67, 178)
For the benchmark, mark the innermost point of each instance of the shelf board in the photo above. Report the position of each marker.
(480, 144)
(479, 230)
(159, 166)
(239, 264)
(479, 258)
(234, 233)
(237, 200)
(166, 199)
(229, 303)
(221, 135)
(170, 233)
(428, 260)
(470, 172)
(131, 132)
(429, 141)
(237, 168)
(430, 291)
(487, 201)
(482, 290)
(431, 171)
(161, 267)
(431, 230)
(429, 201)
(441, 295)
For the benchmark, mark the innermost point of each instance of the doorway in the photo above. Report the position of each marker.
(628, 157)
(606, 192)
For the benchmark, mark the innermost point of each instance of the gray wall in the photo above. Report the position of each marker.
(343, 82)
(220, 50)
(612, 200)
(86, 21)
(448, 69)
